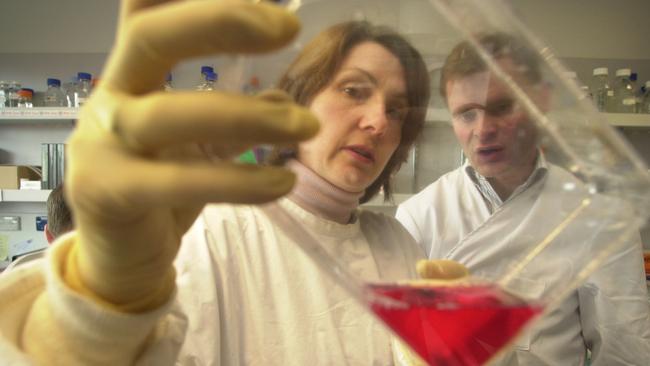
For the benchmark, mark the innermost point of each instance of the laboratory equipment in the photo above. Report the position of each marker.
(601, 90)
(624, 93)
(594, 195)
(82, 88)
(54, 96)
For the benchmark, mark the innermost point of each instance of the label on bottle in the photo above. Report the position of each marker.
(629, 101)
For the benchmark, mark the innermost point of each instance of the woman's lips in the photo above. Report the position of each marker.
(360, 153)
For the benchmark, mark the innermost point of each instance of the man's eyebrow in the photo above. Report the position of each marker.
(466, 107)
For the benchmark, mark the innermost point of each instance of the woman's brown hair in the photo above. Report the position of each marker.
(320, 60)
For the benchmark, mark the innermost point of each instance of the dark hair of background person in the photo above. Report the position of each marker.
(59, 218)
(464, 60)
(321, 59)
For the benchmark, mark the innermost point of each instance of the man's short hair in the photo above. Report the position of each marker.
(59, 218)
(464, 60)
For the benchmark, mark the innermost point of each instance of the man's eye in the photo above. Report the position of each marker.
(501, 109)
(468, 116)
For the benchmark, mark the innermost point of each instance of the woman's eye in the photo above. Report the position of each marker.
(356, 92)
(397, 114)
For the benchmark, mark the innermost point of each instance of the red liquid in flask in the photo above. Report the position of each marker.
(455, 325)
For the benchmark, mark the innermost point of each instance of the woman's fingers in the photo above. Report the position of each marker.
(183, 184)
(154, 122)
(152, 40)
(441, 269)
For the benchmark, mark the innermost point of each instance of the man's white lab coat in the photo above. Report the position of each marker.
(609, 313)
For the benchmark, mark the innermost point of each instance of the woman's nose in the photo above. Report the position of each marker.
(374, 118)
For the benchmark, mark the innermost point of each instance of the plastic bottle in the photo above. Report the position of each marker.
(600, 89)
(12, 94)
(82, 90)
(24, 99)
(54, 96)
(204, 71)
(210, 82)
(624, 98)
(645, 105)
(68, 89)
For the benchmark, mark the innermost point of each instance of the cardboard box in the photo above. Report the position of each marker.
(10, 176)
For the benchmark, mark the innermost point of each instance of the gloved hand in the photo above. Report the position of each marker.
(138, 173)
(439, 272)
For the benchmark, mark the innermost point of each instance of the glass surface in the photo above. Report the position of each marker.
(595, 196)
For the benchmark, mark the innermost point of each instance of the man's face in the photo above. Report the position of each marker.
(496, 134)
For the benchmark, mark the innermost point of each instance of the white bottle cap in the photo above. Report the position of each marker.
(601, 71)
(623, 72)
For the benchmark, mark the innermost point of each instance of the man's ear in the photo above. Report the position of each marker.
(48, 235)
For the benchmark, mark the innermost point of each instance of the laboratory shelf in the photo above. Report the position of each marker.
(24, 195)
(37, 115)
(615, 119)
(628, 119)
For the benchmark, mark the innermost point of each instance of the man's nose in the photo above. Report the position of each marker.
(486, 127)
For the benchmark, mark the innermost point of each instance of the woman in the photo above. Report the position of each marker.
(246, 294)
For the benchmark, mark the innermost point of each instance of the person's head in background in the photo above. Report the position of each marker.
(59, 217)
(369, 88)
(497, 135)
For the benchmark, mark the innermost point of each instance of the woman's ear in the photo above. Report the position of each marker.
(48, 235)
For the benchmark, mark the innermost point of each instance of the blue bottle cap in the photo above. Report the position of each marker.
(211, 76)
(206, 69)
(168, 77)
(84, 76)
(51, 81)
(633, 76)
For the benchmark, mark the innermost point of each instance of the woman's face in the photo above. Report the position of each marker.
(361, 111)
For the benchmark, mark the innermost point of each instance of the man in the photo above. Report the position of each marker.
(503, 202)
(59, 222)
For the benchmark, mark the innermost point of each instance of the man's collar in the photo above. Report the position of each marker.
(541, 166)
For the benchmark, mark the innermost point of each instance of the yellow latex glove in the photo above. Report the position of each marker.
(138, 172)
(439, 272)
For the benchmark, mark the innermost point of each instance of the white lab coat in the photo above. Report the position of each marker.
(608, 314)
(246, 295)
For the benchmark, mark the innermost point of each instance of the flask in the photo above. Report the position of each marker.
(204, 71)
(54, 97)
(600, 89)
(624, 98)
(82, 89)
(68, 90)
(24, 99)
(210, 82)
(4, 86)
(12, 94)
